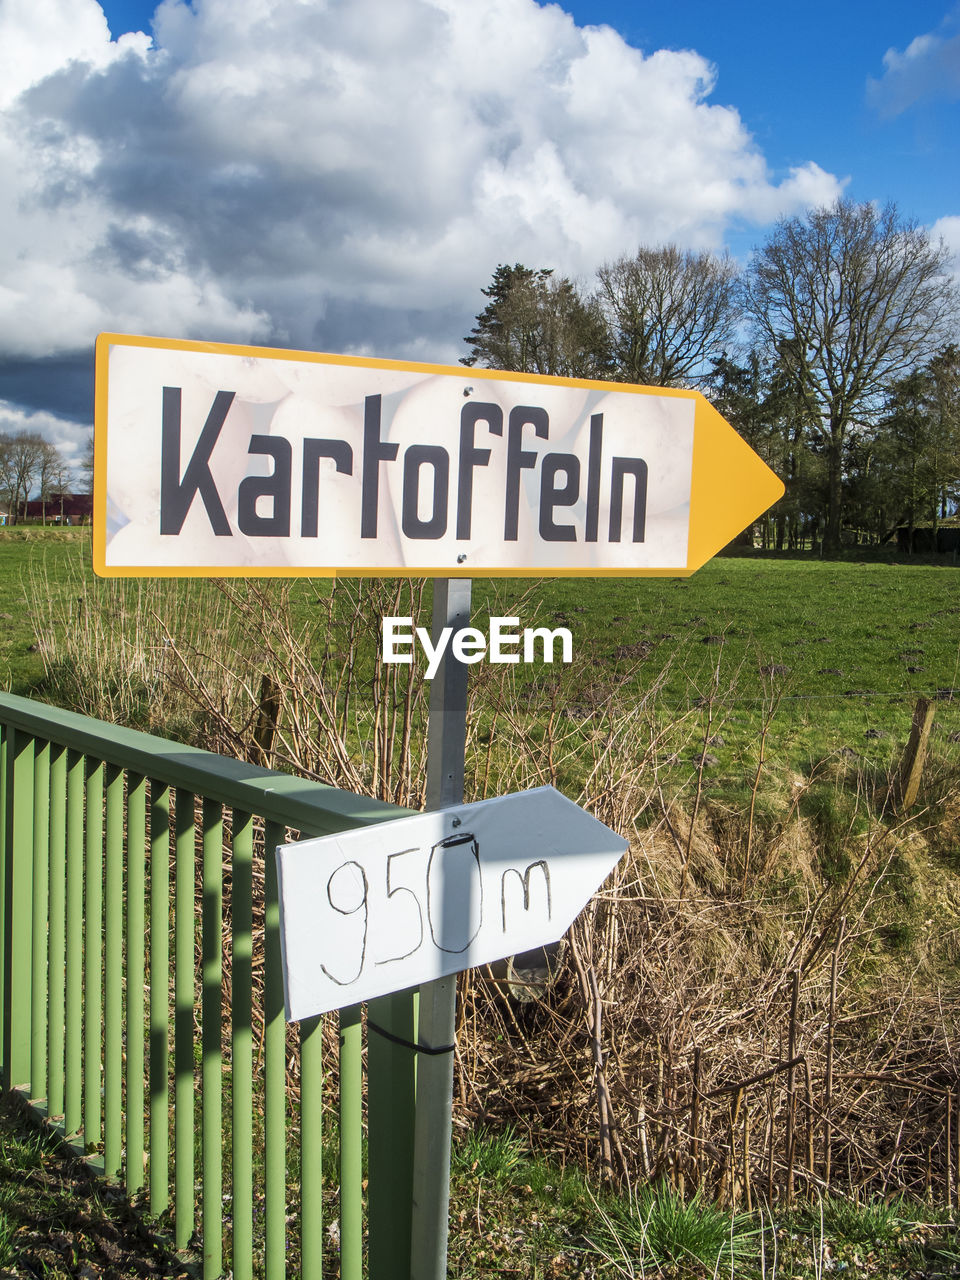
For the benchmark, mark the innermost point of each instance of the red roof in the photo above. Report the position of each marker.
(76, 506)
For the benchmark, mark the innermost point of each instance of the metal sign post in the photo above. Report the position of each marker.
(446, 741)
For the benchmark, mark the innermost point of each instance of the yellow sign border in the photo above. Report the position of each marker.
(723, 466)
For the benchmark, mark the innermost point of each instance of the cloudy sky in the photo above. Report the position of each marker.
(345, 175)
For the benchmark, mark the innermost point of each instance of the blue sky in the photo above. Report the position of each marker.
(799, 76)
(346, 176)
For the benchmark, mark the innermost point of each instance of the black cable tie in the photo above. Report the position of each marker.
(408, 1044)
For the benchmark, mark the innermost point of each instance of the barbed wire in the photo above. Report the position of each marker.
(937, 695)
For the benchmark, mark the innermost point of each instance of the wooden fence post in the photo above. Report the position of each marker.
(695, 1117)
(948, 1149)
(907, 785)
(828, 1071)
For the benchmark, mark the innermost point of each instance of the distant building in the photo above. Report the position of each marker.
(70, 508)
(926, 540)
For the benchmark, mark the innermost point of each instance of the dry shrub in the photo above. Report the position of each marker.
(695, 996)
(759, 1001)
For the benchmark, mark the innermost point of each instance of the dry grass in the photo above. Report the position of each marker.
(760, 1002)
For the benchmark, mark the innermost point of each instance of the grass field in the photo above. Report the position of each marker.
(840, 649)
(21, 555)
(511, 1215)
(844, 648)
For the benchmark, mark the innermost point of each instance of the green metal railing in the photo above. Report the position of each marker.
(136, 876)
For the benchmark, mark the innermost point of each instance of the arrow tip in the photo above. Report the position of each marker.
(730, 485)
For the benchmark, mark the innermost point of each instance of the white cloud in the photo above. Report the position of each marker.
(948, 230)
(39, 37)
(71, 438)
(344, 174)
(929, 68)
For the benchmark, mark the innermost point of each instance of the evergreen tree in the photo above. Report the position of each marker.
(536, 323)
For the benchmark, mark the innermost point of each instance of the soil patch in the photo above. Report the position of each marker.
(58, 1219)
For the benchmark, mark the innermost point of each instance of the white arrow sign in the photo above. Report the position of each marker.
(386, 907)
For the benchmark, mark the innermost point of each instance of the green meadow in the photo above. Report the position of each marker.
(24, 554)
(832, 653)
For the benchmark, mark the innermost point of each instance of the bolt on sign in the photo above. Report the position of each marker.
(219, 460)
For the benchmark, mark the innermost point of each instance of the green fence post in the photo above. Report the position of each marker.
(93, 956)
(241, 911)
(159, 994)
(391, 1102)
(73, 1024)
(212, 989)
(113, 977)
(18, 893)
(184, 909)
(311, 1148)
(5, 734)
(56, 948)
(351, 1144)
(38, 930)
(135, 941)
(275, 1173)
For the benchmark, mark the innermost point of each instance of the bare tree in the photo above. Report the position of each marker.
(61, 478)
(20, 458)
(85, 467)
(28, 464)
(51, 474)
(670, 314)
(848, 298)
(6, 476)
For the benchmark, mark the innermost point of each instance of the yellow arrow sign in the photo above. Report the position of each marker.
(220, 460)
(730, 485)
